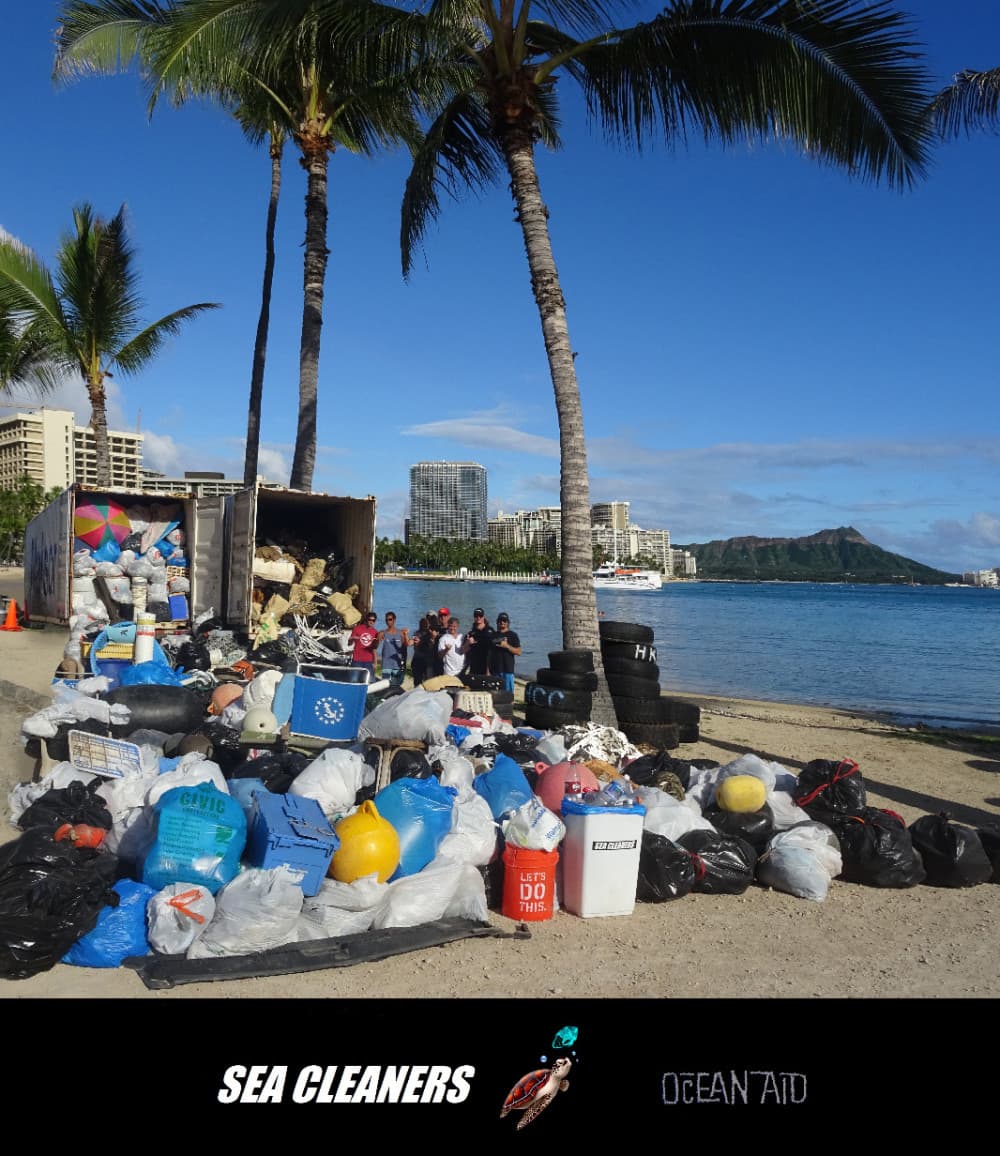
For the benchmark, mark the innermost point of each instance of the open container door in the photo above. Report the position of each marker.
(206, 546)
(48, 560)
(241, 520)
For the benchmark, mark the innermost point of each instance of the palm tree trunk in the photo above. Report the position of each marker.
(263, 322)
(579, 602)
(99, 427)
(315, 159)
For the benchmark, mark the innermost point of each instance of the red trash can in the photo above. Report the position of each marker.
(529, 883)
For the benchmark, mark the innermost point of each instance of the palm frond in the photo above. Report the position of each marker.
(27, 358)
(103, 37)
(971, 102)
(845, 81)
(134, 355)
(27, 293)
(458, 152)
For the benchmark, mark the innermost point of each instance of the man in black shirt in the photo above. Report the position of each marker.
(506, 645)
(478, 645)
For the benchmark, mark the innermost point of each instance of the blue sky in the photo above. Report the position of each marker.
(764, 346)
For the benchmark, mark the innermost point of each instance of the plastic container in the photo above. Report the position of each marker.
(291, 830)
(145, 637)
(327, 710)
(601, 850)
(529, 883)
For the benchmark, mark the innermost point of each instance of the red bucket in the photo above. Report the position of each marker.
(529, 883)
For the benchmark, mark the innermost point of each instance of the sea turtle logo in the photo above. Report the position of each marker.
(533, 1093)
(329, 711)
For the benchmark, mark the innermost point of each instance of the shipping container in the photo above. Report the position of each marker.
(49, 545)
(342, 527)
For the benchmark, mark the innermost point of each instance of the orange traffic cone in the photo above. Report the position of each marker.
(11, 622)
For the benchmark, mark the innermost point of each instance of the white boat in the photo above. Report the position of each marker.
(611, 576)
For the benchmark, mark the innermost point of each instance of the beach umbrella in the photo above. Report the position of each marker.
(96, 523)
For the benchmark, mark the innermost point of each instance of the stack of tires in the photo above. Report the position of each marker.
(644, 715)
(563, 692)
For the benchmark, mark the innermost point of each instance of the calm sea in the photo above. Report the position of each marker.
(925, 653)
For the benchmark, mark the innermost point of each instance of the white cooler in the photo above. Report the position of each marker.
(599, 857)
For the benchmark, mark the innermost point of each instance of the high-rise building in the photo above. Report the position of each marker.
(448, 500)
(48, 446)
(610, 515)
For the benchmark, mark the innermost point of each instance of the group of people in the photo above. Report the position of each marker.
(439, 647)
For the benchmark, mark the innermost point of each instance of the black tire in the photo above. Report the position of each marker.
(576, 661)
(551, 720)
(625, 632)
(662, 736)
(628, 651)
(505, 711)
(567, 679)
(555, 698)
(647, 671)
(623, 686)
(688, 732)
(685, 713)
(502, 697)
(642, 710)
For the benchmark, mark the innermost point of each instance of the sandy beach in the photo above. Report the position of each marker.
(859, 942)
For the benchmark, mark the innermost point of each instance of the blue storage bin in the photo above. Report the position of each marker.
(291, 830)
(327, 710)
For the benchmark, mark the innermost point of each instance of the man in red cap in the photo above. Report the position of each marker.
(443, 615)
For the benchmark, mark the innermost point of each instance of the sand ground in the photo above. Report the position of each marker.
(859, 942)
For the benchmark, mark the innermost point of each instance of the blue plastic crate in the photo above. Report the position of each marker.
(327, 710)
(291, 830)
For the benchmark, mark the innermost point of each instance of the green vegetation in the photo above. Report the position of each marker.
(440, 555)
(842, 555)
(17, 507)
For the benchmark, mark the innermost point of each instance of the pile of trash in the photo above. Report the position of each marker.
(233, 798)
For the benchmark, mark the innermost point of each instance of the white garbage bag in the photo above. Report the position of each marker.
(177, 915)
(333, 780)
(257, 910)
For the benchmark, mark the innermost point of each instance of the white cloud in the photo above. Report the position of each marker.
(161, 453)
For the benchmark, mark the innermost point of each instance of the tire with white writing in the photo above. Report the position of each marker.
(555, 698)
(647, 671)
(660, 736)
(543, 719)
(578, 661)
(567, 679)
(628, 652)
(624, 632)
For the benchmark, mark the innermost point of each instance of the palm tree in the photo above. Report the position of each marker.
(970, 102)
(328, 91)
(86, 317)
(841, 79)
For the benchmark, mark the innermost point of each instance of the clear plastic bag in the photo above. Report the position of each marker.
(419, 714)
(342, 908)
(534, 827)
(257, 910)
(443, 889)
(333, 780)
(177, 915)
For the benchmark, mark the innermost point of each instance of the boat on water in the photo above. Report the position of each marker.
(611, 576)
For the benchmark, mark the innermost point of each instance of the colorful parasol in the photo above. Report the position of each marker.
(99, 522)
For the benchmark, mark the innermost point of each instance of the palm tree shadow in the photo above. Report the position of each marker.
(991, 766)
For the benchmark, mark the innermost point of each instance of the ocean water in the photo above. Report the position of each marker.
(917, 653)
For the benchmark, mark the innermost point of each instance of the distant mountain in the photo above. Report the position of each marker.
(841, 555)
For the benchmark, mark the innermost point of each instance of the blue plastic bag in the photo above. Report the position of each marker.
(504, 787)
(119, 932)
(201, 833)
(153, 673)
(457, 734)
(420, 810)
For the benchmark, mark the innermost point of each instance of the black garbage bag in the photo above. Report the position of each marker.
(724, 864)
(193, 655)
(953, 854)
(227, 749)
(826, 787)
(756, 827)
(57, 747)
(276, 769)
(208, 626)
(326, 618)
(647, 769)
(409, 764)
(523, 749)
(990, 839)
(666, 871)
(50, 895)
(275, 654)
(877, 850)
(76, 803)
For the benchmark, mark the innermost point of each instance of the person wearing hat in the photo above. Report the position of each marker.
(506, 646)
(478, 645)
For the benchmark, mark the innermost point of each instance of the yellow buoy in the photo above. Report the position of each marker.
(369, 845)
(741, 793)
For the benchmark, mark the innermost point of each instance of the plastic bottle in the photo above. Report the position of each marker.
(145, 631)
